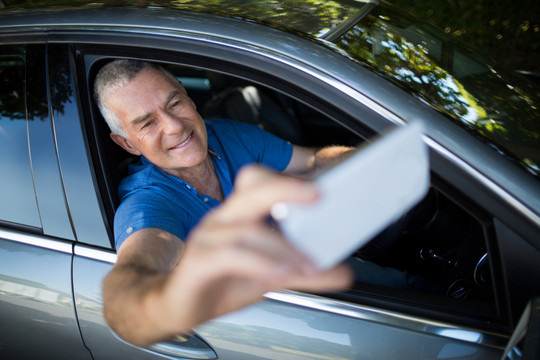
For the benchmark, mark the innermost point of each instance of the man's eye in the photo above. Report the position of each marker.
(146, 124)
(176, 103)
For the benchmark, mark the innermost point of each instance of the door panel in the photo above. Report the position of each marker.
(36, 306)
(279, 330)
(89, 268)
(272, 329)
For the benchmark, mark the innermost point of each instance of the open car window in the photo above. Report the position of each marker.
(435, 256)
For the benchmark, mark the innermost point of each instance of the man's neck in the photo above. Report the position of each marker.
(203, 177)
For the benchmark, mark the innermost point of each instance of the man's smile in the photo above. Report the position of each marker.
(183, 143)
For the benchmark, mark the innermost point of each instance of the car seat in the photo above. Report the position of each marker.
(241, 101)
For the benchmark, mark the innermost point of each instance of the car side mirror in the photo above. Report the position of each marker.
(524, 344)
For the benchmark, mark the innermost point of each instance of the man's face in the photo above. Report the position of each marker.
(161, 122)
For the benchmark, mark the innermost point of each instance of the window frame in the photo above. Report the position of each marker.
(87, 55)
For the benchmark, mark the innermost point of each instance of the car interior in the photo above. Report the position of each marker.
(444, 239)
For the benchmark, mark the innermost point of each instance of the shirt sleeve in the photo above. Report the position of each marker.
(267, 148)
(142, 210)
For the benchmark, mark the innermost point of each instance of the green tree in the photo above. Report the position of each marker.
(505, 30)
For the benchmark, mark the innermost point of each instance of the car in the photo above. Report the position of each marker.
(314, 73)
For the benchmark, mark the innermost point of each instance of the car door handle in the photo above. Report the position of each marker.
(187, 347)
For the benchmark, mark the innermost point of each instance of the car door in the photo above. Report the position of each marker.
(36, 240)
(93, 255)
(369, 321)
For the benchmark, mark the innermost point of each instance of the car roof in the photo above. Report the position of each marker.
(306, 17)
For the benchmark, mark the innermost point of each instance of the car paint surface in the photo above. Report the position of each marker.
(273, 329)
(36, 300)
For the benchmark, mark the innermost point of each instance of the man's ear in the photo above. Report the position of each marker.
(124, 144)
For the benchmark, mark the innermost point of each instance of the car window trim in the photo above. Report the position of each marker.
(95, 254)
(36, 240)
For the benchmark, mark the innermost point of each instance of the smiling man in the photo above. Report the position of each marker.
(178, 263)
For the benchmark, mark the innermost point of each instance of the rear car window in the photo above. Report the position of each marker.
(16, 185)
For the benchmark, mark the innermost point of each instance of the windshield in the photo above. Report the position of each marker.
(495, 105)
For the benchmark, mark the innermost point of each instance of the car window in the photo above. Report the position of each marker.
(16, 184)
(440, 250)
(440, 253)
(436, 254)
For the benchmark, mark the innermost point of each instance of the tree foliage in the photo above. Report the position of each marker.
(505, 30)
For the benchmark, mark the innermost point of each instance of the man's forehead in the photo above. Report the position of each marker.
(146, 79)
(156, 73)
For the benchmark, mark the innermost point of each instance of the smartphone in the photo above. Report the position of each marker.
(359, 197)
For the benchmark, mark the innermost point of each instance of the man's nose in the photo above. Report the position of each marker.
(171, 124)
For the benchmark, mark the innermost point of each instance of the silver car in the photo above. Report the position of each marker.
(314, 73)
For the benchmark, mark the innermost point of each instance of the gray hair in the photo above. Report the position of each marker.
(114, 75)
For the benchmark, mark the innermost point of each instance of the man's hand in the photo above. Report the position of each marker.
(231, 259)
(235, 256)
(308, 160)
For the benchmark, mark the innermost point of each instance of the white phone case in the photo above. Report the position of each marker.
(359, 197)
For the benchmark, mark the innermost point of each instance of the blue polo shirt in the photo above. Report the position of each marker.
(151, 198)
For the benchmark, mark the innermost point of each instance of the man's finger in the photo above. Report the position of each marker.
(256, 237)
(257, 189)
(335, 279)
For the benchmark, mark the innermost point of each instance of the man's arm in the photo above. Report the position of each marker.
(137, 280)
(160, 288)
(307, 159)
